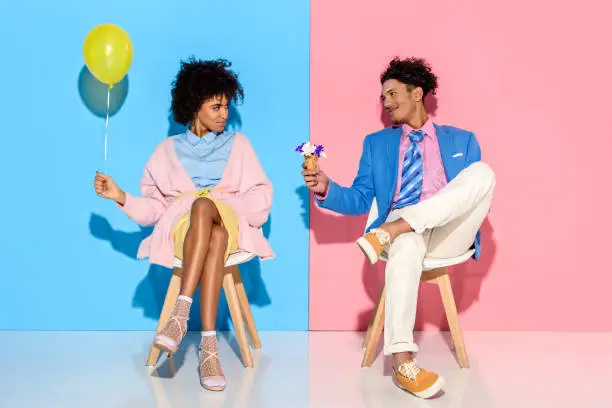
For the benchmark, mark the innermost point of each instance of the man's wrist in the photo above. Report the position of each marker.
(322, 196)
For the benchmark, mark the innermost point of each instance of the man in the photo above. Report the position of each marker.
(433, 194)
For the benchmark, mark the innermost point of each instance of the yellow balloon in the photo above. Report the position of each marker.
(108, 53)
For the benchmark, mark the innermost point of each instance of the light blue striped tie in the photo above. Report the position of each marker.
(412, 172)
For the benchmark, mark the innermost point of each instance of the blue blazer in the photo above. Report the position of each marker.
(378, 168)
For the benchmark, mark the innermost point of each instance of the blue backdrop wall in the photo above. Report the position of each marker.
(69, 257)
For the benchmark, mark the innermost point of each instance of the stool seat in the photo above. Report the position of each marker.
(435, 263)
(235, 258)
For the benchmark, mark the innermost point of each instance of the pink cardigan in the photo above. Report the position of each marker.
(244, 186)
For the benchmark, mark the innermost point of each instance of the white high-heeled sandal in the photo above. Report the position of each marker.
(166, 343)
(214, 382)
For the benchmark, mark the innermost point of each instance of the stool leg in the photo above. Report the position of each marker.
(368, 335)
(234, 307)
(246, 308)
(453, 319)
(374, 331)
(171, 296)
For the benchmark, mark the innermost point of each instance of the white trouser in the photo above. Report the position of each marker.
(445, 226)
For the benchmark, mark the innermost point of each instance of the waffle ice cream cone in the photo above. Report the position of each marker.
(311, 161)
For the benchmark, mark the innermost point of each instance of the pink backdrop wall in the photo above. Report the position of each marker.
(533, 81)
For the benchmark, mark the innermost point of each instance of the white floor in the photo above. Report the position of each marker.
(317, 369)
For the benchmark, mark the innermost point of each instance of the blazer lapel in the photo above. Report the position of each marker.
(393, 147)
(445, 141)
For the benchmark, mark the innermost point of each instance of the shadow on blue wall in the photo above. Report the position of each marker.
(304, 195)
(94, 93)
(151, 291)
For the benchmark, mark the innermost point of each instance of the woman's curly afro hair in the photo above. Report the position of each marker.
(414, 72)
(199, 81)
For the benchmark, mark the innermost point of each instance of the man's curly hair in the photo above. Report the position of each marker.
(199, 81)
(414, 72)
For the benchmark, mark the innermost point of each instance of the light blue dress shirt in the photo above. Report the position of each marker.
(204, 158)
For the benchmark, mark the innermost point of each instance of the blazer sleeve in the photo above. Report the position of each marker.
(357, 199)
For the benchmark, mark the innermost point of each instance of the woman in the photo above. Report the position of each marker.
(207, 195)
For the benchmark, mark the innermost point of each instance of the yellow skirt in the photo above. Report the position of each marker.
(229, 220)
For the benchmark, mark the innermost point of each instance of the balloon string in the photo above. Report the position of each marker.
(106, 130)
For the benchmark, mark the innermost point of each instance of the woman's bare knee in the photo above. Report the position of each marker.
(218, 238)
(203, 207)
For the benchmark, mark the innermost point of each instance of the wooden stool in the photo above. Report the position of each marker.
(237, 301)
(434, 271)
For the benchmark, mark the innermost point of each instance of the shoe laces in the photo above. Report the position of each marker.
(409, 370)
(382, 236)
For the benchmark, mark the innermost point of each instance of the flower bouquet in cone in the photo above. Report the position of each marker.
(311, 153)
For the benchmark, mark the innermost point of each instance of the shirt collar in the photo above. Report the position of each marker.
(428, 128)
(194, 140)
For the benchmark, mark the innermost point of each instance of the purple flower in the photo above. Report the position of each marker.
(318, 150)
(299, 148)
